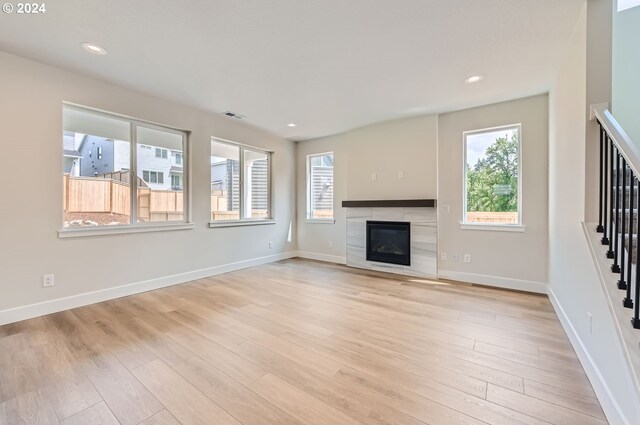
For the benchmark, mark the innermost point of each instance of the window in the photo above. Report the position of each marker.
(153, 176)
(176, 182)
(492, 193)
(102, 153)
(240, 182)
(320, 186)
(177, 158)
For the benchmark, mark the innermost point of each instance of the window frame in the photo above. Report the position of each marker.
(309, 213)
(241, 210)
(157, 174)
(134, 226)
(507, 227)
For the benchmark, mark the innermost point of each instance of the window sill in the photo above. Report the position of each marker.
(320, 221)
(120, 230)
(493, 227)
(239, 223)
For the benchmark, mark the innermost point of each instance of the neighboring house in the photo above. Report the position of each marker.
(322, 190)
(160, 168)
(70, 154)
(225, 177)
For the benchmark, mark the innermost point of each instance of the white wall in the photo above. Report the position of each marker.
(31, 207)
(574, 285)
(408, 145)
(511, 259)
(598, 90)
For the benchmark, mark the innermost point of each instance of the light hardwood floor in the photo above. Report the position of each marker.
(298, 342)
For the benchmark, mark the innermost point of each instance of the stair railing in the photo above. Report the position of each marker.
(618, 214)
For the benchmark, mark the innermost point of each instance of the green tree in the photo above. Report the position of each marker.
(492, 184)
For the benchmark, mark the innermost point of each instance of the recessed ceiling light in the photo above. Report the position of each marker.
(94, 48)
(473, 79)
(291, 125)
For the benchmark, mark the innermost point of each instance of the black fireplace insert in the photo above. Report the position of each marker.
(389, 242)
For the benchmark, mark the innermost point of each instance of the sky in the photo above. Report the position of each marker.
(477, 144)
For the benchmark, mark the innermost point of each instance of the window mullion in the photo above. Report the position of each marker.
(311, 177)
(241, 184)
(186, 192)
(133, 186)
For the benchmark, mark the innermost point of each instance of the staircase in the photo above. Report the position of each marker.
(618, 210)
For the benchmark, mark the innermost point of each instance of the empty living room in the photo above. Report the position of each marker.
(324, 212)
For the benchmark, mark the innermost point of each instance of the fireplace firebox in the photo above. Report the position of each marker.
(389, 242)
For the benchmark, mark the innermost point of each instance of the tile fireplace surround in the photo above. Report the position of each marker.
(423, 221)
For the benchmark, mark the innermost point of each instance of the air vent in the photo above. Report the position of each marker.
(234, 115)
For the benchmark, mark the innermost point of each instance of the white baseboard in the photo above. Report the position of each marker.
(322, 257)
(52, 306)
(501, 282)
(609, 405)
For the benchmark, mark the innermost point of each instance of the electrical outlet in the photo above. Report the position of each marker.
(443, 256)
(48, 280)
(589, 323)
(270, 244)
(467, 258)
(445, 208)
(454, 258)
(330, 244)
(400, 174)
(374, 177)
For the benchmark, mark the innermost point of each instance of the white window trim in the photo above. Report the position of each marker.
(308, 213)
(122, 229)
(240, 223)
(321, 220)
(134, 226)
(464, 225)
(247, 221)
(493, 227)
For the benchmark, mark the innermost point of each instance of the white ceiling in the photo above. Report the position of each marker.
(326, 65)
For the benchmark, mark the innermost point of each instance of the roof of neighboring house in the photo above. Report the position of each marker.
(71, 153)
(175, 169)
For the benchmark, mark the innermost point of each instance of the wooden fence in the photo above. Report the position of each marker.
(105, 195)
(492, 217)
(101, 195)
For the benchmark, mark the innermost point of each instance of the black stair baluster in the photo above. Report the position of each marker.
(605, 206)
(635, 321)
(601, 228)
(611, 196)
(622, 284)
(612, 199)
(615, 268)
(633, 182)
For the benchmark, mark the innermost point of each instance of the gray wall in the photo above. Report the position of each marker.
(31, 105)
(384, 149)
(428, 151)
(517, 256)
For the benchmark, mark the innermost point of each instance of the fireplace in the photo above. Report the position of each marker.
(389, 242)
